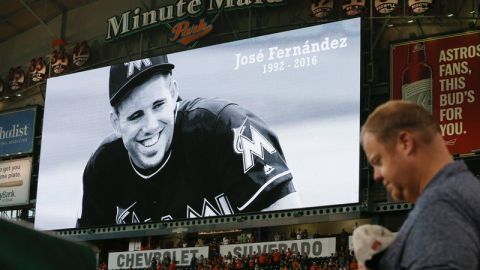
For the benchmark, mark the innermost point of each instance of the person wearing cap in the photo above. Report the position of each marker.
(170, 158)
(405, 147)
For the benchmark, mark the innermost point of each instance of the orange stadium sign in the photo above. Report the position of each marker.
(189, 28)
(185, 33)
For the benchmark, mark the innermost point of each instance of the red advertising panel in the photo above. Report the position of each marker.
(442, 75)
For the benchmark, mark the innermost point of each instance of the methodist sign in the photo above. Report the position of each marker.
(142, 259)
(17, 131)
(318, 247)
(186, 30)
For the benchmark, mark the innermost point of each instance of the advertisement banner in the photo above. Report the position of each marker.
(192, 21)
(142, 259)
(442, 75)
(17, 131)
(214, 141)
(318, 247)
(15, 182)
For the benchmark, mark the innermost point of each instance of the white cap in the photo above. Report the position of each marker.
(369, 240)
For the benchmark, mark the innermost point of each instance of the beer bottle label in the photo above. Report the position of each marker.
(419, 92)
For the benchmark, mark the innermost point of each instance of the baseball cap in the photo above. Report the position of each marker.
(369, 240)
(124, 76)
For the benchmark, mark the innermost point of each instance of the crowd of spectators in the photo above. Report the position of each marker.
(343, 260)
(277, 260)
(266, 261)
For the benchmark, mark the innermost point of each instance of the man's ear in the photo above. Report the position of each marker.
(407, 142)
(174, 90)
(115, 123)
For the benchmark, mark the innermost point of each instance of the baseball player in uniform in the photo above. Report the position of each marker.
(173, 159)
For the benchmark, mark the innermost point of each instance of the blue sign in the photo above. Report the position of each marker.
(17, 132)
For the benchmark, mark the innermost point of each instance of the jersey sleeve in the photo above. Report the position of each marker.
(91, 201)
(95, 191)
(251, 163)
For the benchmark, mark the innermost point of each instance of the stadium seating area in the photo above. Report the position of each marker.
(277, 261)
(343, 259)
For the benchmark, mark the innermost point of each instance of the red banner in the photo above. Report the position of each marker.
(442, 75)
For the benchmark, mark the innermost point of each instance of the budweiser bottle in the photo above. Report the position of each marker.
(417, 77)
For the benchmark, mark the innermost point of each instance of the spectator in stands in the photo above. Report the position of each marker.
(343, 239)
(172, 265)
(353, 264)
(262, 259)
(227, 259)
(276, 237)
(166, 261)
(314, 266)
(289, 253)
(342, 262)
(276, 257)
(153, 263)
(103, 266)
(238, 263)
(409, 156)
(199, 242)
(251, 262)
(296, 264)
(251, 238)
(304, 260)
(193, 262)
(225, 240)
(304, 234)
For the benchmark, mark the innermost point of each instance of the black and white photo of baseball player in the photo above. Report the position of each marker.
(170, 158)
(222, 148)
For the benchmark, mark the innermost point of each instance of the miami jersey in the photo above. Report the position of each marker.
(223, 160)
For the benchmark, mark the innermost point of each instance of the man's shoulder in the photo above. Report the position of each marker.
(445, 215)
(211, 105)
(109, 148)
(105, 161)
(452, 183)
(110, 143)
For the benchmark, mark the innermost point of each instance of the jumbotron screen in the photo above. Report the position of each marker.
(262, 124)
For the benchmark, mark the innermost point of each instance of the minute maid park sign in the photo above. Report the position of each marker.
(185, 31)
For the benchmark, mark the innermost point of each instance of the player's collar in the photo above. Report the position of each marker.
(144, 176)
(177, 104)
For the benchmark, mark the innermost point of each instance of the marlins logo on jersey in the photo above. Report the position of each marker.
(256, 145)
(138, 65)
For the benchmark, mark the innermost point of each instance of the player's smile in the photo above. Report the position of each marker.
(152, 141)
